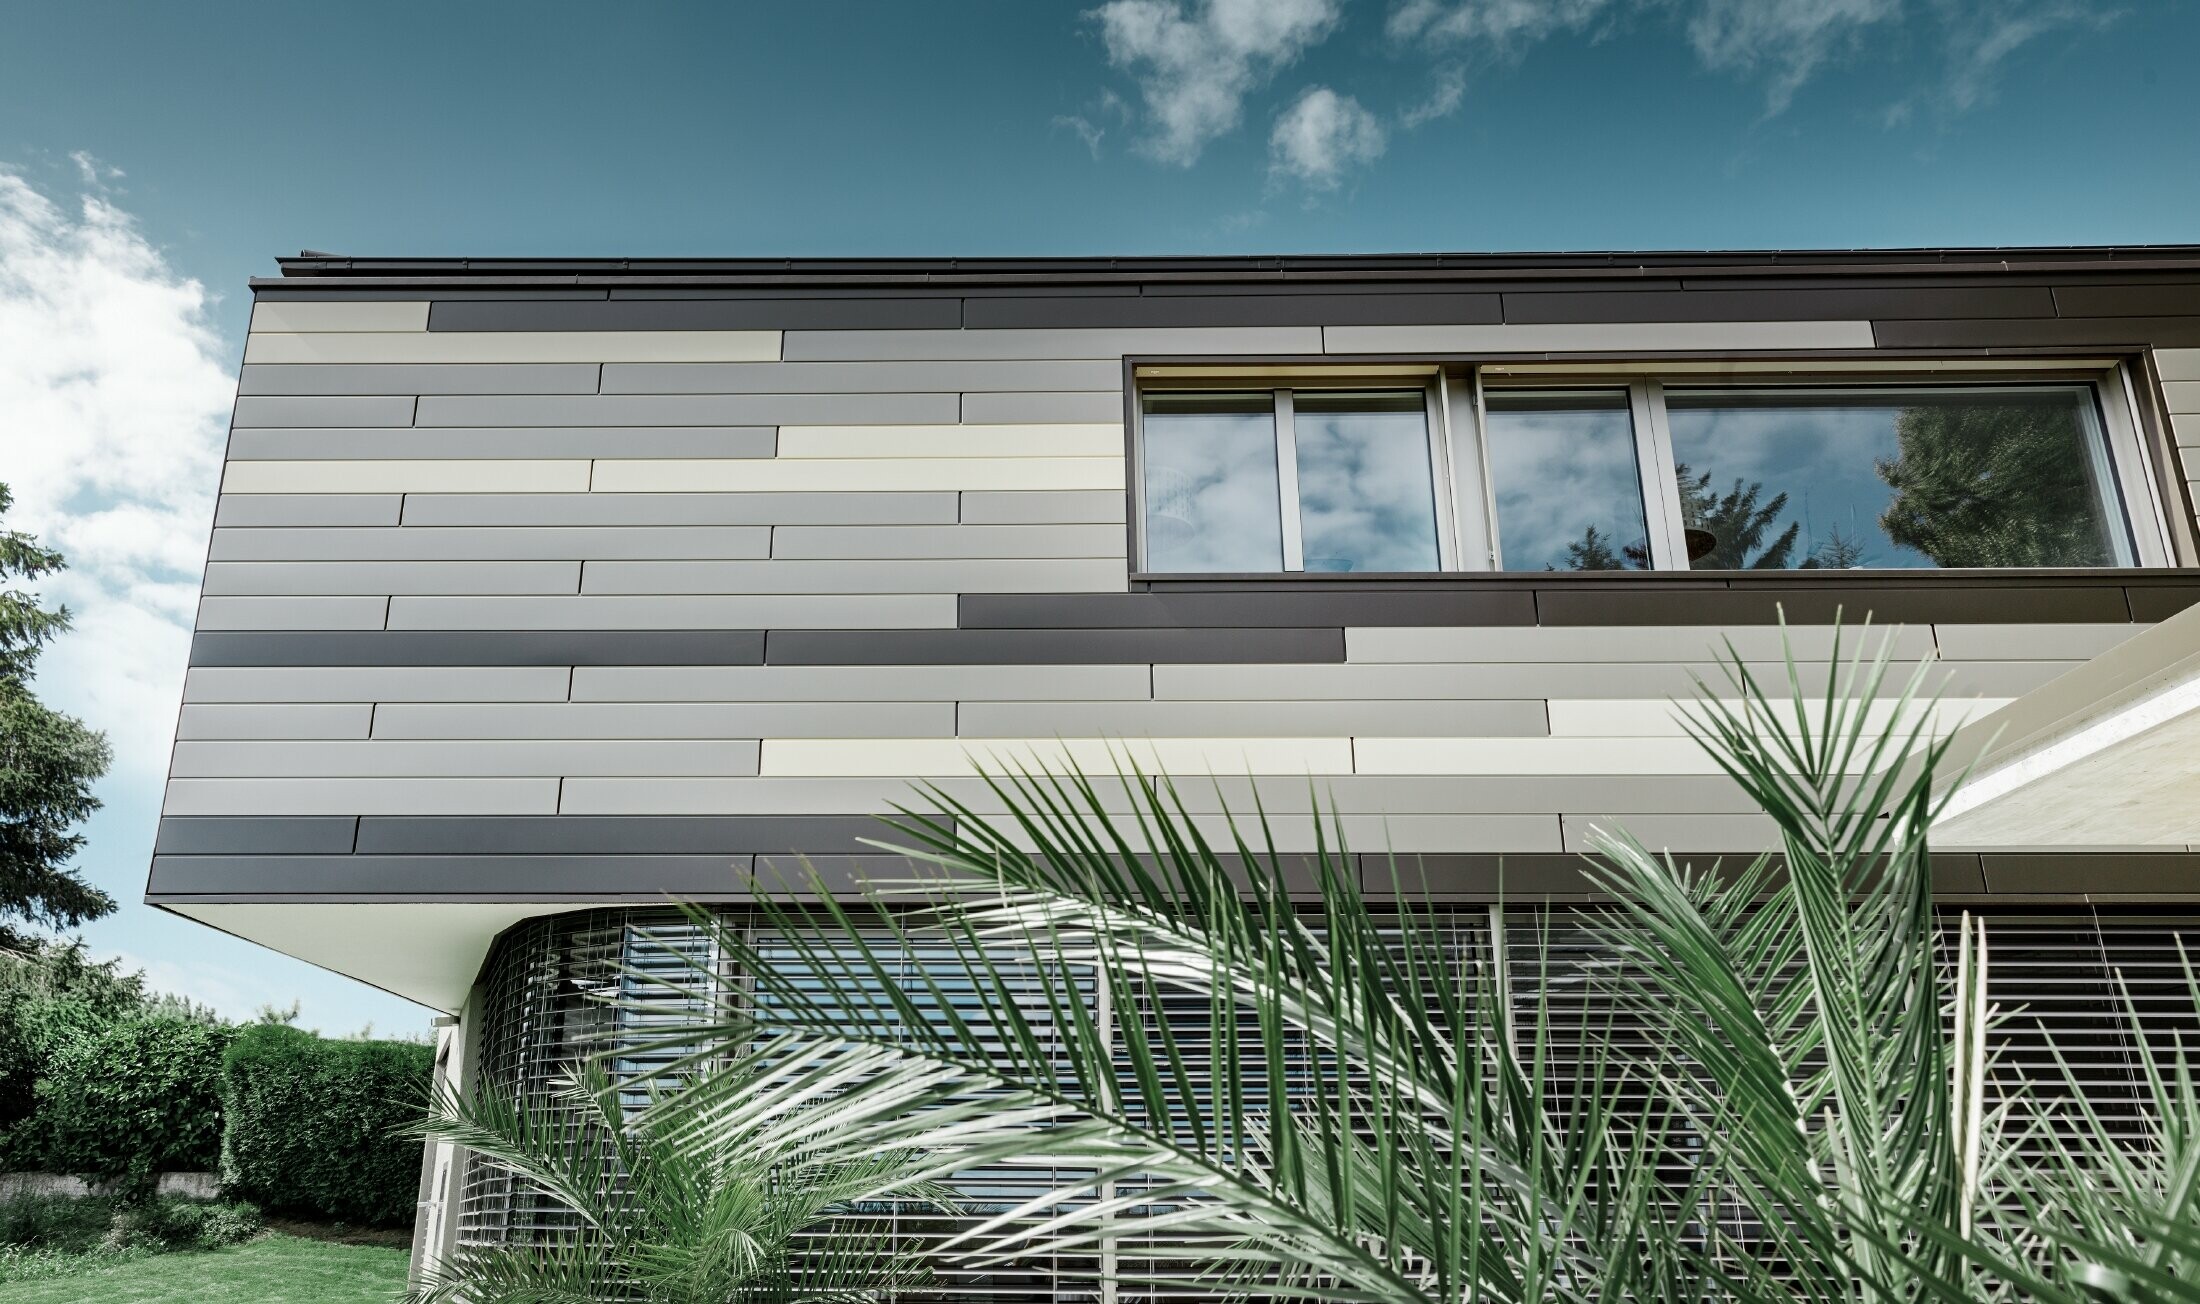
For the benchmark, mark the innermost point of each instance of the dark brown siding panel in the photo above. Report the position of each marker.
(1812, 605)
(457, 835)
(1246, 610)
(1777, 305)
(431, 878)
(1055, 647)
(256, 835)
(2063, 332)
(697, 315)
(2158, 602)
(2150, 300)
(1036, 312)
(2071, 873)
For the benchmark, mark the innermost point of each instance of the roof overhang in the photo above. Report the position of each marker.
(2106, 756)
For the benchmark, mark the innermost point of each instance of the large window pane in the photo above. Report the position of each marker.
(1565, 479)
(1210, 489)
(1809, 478)
(1367, 499)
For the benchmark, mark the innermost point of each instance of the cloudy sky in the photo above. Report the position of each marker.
(152, 157)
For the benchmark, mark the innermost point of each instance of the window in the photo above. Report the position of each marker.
(1511, 472)
(1293, 480)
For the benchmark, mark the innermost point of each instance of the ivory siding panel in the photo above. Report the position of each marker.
(857, 475)
(2178, 364)
(364, 315)
(268, 346)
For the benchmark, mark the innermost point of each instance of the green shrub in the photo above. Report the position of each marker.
(52, 1222)
(173, 1224)
(135, 1100)
(50, 994)
(315, 1127)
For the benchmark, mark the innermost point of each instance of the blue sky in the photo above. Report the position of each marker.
(154, 156)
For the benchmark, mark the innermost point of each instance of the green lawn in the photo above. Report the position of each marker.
(271, 1270)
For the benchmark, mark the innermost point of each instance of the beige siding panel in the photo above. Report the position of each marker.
(360, 315)
(2030, 642)
(857, 683)
(1660, 717)
(1602, 337)
(963, 575)
(275, 720)
(1742, 834)
(514, 346)
(952, 441)
(1620, 644)
(604, 611)
(463, 758)
(2183, 395)
(927, 756)
(361, 797)
(2187, 428)
(2178, 364)
(359, 612)
(376, 683)
(1530, 756)
(366, 477)
(829, 475)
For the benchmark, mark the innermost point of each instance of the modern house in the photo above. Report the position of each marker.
(544, 590)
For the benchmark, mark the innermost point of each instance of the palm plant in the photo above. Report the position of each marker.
(746, 1203)
(1350, 1096)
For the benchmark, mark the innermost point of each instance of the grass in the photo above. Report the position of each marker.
(275, 1269)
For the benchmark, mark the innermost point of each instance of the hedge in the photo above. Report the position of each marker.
(134, 1100)
(318, 1128)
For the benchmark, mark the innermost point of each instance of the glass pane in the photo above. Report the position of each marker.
(1563, 472)
(1367, 499)
(1807, 479)
(1211, 483)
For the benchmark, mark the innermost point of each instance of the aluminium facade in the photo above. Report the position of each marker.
(541, 591)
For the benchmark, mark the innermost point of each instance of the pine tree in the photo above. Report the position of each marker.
(48, 760)
(1993, 485)
(1736, 523)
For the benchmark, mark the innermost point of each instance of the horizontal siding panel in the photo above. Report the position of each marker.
(680, 410)
(960, 345)
(1661, 717)
(2072, 642)
(432, 543)
(791, 575)
(1623, 644)
(361, 797)
(275, 720)
(335, 577)
(274, 444)
(640, 310)
(1063, 507)
(292, 613)
(1530, 756)
(617, 611)
(341, 315)
(2183, 395)
(857, 377)
(1101, 439)
(467, 758)
(504, 378)
(351, 410)
(508, 346)
(928, 756)
(1040, 409)
(2178, 364)
(1744, 835)
(376, 683)
(1594, 681)
(853, 475)
(1034, 542)
(681, 509)
(1633, 337)
(1247, 719)
(665, 720)
(454, 476)
(934, 683)
(251, 510)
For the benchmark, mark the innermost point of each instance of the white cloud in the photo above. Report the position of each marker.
(116, 390)
(1443, 98)
(1194, 68)
(1503, 24)
(1321, 137)
(1784, 41)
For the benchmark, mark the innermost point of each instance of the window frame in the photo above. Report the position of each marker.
(1283, 386)
(1456, 406)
